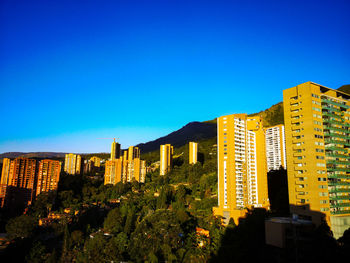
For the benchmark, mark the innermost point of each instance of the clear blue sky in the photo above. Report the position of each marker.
(74, 71)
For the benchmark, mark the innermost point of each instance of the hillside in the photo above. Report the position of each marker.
(193, 131)
(345, 89)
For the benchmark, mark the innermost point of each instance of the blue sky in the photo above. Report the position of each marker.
(75, 71)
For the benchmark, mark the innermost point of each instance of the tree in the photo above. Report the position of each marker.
(21, 227)
(37, 254)
(114, 221)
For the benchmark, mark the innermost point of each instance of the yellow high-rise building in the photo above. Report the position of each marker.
(4, 180)
(275, 147)
(113, 171)
(317, 123)
(126, 168)
(115, 150)
(72, 164)
(96, 160)
(242, 170)
(193, 152)
(166, 158)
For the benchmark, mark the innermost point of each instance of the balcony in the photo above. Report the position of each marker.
(328, 101)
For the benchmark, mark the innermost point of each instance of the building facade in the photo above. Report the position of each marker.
(126, 168)
(115, 150)
(242, 170)
(48, 176)
(96, 160)
(193, 152)
(72, 163)
(317, 123)
(275, 147)
(166, 158)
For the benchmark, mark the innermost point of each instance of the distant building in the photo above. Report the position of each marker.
(193, 152)
(115, 151)
(72, 164)
(166, 158)
(88, 166)
(96, 160)
(242, 171)
(48, 176)
(317, 122)
(21, 176)
(275, 147)
(4, 180)
(126, 168)
(113, 171)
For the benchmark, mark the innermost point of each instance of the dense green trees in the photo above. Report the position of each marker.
(21, 227)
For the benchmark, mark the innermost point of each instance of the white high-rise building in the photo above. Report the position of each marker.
(275, 147)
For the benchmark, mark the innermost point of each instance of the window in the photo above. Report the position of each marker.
(319, 157)
(322, 186)
(319, 150)
(323, 193)
(315, 96)
(320, 165)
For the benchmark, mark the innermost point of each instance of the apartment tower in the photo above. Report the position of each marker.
(317, 122)
(48, 176)
(115, 150)
(242, 171)
(275, 147)
(126, 168)
(166, 158)
(193, 153)
(72, 164)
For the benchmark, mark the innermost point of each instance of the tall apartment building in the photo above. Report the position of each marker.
(96, 160)
(20, 188)
(72, 164)
(275, 147)
(48, 176)
(166, 158)
(4, 180)
(242, 171)
(115, 151)
(113, 171)
(126, 168)
(317, 122)
(193, 152)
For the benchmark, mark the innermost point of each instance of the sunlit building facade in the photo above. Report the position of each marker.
(317, 122)
(72, 163)
(166, 158)
(115, 150)
(126, 168)
(96, 160)
(193, 152)
(48, 176)
(242, 170)
(275, 147)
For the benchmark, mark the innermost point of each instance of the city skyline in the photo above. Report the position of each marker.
(71, 73)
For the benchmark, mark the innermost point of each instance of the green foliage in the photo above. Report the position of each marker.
(114, 221)
(272, 116)
(21, 227)
(37, 254)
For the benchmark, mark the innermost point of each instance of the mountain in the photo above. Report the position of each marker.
(193, 131)
(32, 155)
(272, 116)
(345, 89)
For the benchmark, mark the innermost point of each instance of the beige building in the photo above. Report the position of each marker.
(115, 150)
(166, 158)
(72, 164)
(193, 152)
(242, 171)
(275, 147)
(317, 123)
